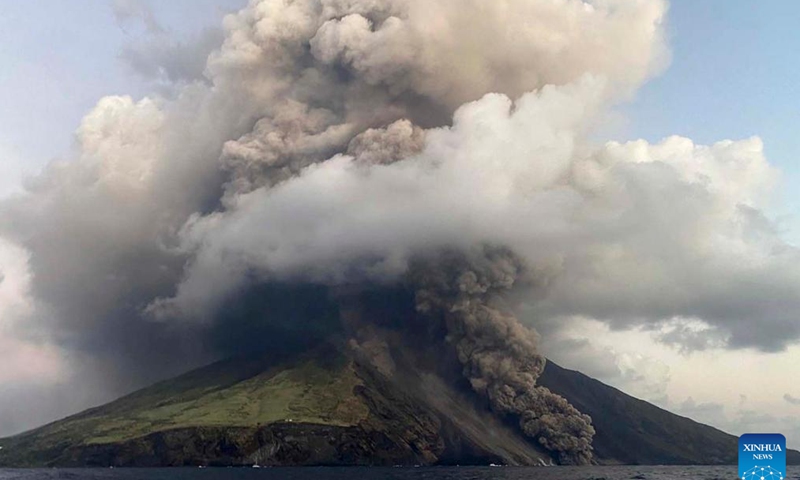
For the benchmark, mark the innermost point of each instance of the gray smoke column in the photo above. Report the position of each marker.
(498, 353)
(332, 142)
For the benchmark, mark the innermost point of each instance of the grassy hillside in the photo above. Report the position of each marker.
(335, 408)
(240, 393)
(303, 392)
(325, 408)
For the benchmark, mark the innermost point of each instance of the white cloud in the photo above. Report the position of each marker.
(176, 203)
(735, 391)
(12, 169)
(26, 361)
(15, 277)
(619, 358)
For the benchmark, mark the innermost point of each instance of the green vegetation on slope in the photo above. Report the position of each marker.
(230, 394)
(327, 408)
(305, 393)
(330, 408)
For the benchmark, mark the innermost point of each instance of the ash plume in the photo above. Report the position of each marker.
(498, 353)
(332, 144)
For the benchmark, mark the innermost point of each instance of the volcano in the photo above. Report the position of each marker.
(337, 406)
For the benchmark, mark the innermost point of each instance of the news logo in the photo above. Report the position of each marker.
(762, 456)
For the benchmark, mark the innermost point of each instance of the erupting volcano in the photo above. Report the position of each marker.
(368, 207)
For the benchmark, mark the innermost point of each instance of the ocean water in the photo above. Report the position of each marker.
(441, 473)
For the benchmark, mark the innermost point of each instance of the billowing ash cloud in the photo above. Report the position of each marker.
(497, 352)
(335, 143)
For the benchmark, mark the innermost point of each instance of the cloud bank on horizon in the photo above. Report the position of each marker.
(332, 141)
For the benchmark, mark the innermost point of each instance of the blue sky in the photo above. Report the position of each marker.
(735, 73)
(58, 58)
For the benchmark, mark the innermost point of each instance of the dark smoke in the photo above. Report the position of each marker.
(339, 144)
(497, 352)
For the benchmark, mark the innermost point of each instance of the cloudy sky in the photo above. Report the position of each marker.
(701, 322)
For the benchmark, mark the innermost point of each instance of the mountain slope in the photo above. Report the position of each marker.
(633, 431)
(327, 408)
(334, 408)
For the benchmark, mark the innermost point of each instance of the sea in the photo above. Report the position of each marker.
(435, 473)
